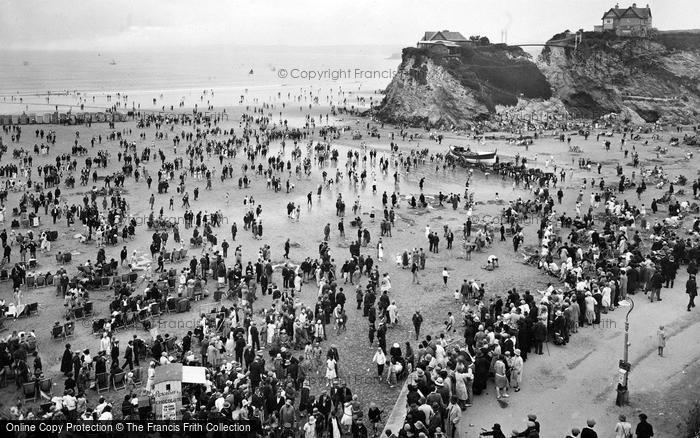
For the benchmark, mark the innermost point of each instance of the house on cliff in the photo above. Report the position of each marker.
(443, 42)
(631, 21)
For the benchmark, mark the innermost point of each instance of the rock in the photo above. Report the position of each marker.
(640, 79)
(451, 91)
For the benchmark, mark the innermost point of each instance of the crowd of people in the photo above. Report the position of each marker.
(273, 364)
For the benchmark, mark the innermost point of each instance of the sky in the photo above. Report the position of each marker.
(172, 24)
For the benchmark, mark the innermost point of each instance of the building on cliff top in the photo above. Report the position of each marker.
(443, 42)
(632, 21)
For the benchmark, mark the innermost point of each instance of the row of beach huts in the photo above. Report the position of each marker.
(61, 118)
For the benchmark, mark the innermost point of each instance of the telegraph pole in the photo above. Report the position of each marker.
(625, 366)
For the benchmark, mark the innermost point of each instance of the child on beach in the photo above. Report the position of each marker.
(661, 335)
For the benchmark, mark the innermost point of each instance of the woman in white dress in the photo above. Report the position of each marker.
(346, 419)
(151, 377)
(380, 251)
(230, 344)
(330, 371)
(270, 332)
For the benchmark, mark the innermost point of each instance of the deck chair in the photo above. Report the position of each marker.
(98, 326)
(78, 313)
(133, 276)
(29, 391)
(144, 316)
(49, 279)
(32, 308)
(118, 381)
(102, 382)
(119, 322)
(137, 376)
(57, 333)
(129, 320)
(46, 387)
(88, 308)
(31, 282)
(69, 329)
(105, 283)
(171, 305)
(154, 309)
(40, 281)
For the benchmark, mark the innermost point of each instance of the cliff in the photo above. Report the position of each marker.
(644, 79)
(452, 90)
(641, 79)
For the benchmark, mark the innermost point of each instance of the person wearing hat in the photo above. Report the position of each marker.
(516, 370)
(588, 432)
(575, 432)
(495, 432)
(454, 414)
(644, 429)
(532, 429)
(434, 398)
(310, 427)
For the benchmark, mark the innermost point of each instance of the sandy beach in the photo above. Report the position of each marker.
(564, 387)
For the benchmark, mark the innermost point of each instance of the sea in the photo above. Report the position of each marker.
(38, 81)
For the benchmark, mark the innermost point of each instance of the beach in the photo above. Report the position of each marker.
(564, 387)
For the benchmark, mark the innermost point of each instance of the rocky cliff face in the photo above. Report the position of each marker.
(641, 79)
(452, 91)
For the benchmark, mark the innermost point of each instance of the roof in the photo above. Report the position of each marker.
(643, 13)
(168, 373)
(443, 35)
(441, 43)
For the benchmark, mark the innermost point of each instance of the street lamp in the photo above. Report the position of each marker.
(625, 367)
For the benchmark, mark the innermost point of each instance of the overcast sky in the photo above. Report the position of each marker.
(148, 24)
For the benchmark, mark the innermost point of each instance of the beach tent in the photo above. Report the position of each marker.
(15, 119)
(23, 119)
(167, 388)
(100, 117)
(39, 119)
(32, 118)
(48, 117)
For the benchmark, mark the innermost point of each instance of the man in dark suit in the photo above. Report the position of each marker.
(186, 342)
(129, 356)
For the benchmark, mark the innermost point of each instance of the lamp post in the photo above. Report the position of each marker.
(625, 367)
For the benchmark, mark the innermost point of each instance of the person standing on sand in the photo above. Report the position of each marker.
(691, 288)
(623, 429)
(661, 336)
(644, 429)
(499, 370)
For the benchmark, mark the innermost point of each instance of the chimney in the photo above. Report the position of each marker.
(634, 5)
(617, 6)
